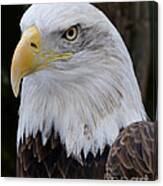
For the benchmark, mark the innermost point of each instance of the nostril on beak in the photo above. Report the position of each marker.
(33, 45)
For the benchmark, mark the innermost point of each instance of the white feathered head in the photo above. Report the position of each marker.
(77, 75)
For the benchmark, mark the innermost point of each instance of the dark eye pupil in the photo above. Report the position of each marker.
(71, 33)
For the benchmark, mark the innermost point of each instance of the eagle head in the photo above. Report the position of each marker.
(77, 77)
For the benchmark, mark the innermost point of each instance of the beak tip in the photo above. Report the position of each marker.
(15, 87)
(15, 91)
(16, 94)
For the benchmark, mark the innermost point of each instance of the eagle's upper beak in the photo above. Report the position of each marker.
(28, 57)
(25, 57)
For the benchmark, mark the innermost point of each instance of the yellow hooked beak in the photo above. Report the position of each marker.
(27, 57)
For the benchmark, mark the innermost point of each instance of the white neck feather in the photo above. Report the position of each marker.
(86, 111)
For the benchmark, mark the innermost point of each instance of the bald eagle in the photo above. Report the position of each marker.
(79, 97)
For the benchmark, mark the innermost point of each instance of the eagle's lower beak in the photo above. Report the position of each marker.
(25, 57)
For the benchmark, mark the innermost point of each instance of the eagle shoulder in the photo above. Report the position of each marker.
(133, 155)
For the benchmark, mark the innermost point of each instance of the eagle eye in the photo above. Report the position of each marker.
(71, 33)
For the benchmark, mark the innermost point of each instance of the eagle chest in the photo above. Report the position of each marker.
(51, 161)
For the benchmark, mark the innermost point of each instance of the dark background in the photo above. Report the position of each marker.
(136, 22)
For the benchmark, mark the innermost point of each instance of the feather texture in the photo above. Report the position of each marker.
(133, 155)
(36, 160)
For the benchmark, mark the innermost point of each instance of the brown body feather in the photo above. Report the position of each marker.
(36, 160)
(133, 155)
